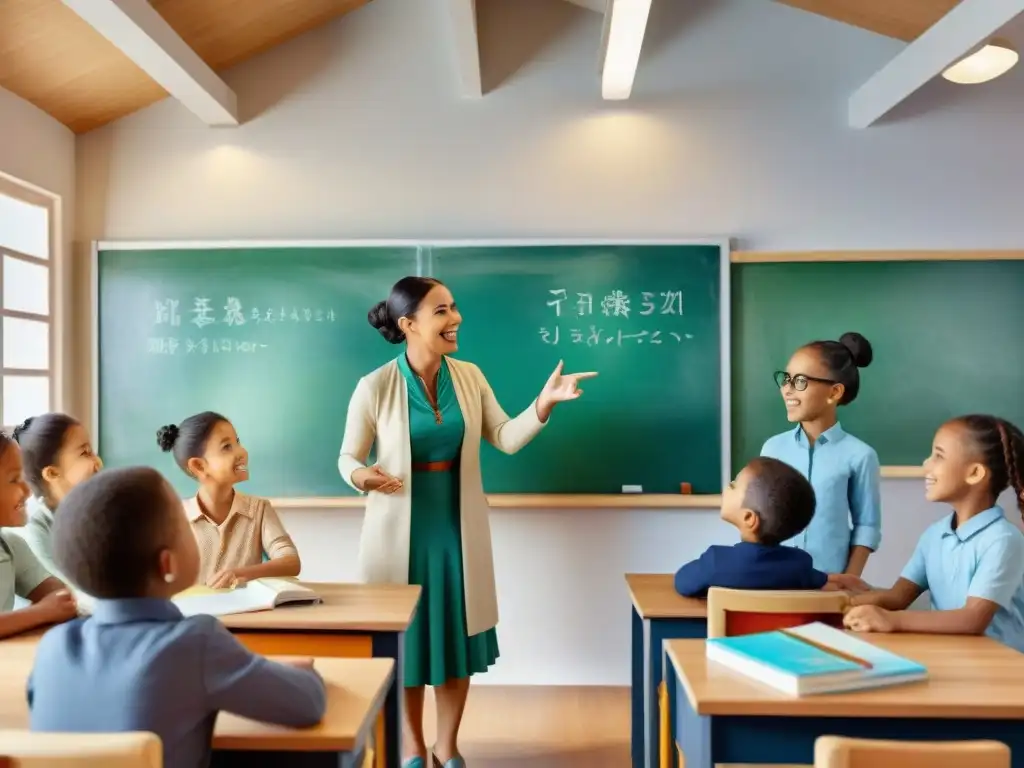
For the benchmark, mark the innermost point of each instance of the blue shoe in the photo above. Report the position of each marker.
(413, 762)
(455, 762)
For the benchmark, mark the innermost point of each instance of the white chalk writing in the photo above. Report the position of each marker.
(596, 336)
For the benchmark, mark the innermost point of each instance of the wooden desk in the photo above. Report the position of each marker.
(659, 614)
(356, 691)
(354, 621)
(975, 690)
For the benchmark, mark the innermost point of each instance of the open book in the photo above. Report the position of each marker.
(814, 658)
(256, 595)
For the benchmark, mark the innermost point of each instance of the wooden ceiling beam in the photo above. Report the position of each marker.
(967, 25)
(466, 45)
(142, 34)
(901, 19)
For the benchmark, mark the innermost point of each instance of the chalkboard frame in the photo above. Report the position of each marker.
(559, 501)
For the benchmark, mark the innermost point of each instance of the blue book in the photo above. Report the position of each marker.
(813, 658)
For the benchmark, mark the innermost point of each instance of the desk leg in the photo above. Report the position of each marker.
(389, 751)
(693, 732)
(636, 692)
(655, 633)
(669, 677)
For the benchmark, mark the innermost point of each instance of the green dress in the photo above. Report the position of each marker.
(437, 646)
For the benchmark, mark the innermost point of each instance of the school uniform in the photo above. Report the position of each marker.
(139, 665)
(982, 558)
(846, 477)
(20, 570)
(251, 528)
(749, 565)
(36, 533)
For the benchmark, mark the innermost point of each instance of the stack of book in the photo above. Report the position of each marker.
(813, 658)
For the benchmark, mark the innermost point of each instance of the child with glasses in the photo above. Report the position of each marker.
(844, 471)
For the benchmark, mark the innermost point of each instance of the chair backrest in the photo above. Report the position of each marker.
(841, 752)
(25, 749)
(734, 612)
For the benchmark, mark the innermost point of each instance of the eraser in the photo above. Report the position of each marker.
(632, 489)
(685, 488)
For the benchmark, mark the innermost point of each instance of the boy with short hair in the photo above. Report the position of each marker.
(769, 502)
(137, 664)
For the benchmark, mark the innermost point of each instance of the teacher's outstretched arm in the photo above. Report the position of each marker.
(510, 435)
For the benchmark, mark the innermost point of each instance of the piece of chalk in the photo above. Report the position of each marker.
(685, 488)
(632, 489)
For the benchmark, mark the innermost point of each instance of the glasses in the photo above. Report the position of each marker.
(799, 381)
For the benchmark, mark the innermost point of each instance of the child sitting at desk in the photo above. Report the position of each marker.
(21, 573)
(137, 664)
(57, 453)
(234, 530)
(972, 560)
(769, 502)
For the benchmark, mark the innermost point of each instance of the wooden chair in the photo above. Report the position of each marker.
(25, 749)
(840, 752)
(734, 612)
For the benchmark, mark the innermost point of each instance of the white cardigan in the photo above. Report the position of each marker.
(379, 410)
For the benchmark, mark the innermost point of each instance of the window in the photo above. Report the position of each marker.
(26, 302)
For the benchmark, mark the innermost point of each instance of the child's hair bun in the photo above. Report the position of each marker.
(20, 429)
(860, 348)
(166, 437)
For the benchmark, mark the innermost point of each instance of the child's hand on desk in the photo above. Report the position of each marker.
(847, 582)
(58, 606)
(869, 618)
(225, 579)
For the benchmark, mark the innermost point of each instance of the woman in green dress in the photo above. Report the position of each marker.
(426, 517)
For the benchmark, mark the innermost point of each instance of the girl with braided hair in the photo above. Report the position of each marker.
(971, 561)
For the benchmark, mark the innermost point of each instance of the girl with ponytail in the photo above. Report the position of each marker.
(972, 560)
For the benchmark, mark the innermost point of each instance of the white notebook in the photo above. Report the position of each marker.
(256, 595)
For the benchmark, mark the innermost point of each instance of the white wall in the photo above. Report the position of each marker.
(38, 150)
(735, 128)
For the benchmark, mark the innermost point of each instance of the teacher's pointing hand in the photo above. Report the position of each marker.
(559, 388)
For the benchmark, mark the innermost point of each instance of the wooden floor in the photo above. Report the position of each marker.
(541, 727)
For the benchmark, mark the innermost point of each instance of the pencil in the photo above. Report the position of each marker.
(828, 649)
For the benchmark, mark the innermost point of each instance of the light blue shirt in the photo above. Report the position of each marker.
(983, 558)
(847, 487)
(20, 571)
(139, 665)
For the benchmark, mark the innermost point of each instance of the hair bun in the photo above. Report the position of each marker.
(860, 348)
(380, 319)
(166, 437)
(21, 428)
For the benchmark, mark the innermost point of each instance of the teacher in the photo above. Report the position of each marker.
(426, 514)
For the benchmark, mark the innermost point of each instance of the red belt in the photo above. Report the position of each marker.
(434, 466)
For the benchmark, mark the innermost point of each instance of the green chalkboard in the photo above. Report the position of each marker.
(647, 318)
(946, 338)
(282, 369)
(651, 327)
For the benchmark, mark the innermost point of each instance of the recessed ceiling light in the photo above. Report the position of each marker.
(987, 63)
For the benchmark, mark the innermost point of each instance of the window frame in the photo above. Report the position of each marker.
(27, 193)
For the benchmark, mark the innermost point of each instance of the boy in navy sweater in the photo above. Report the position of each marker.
(769, 502)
